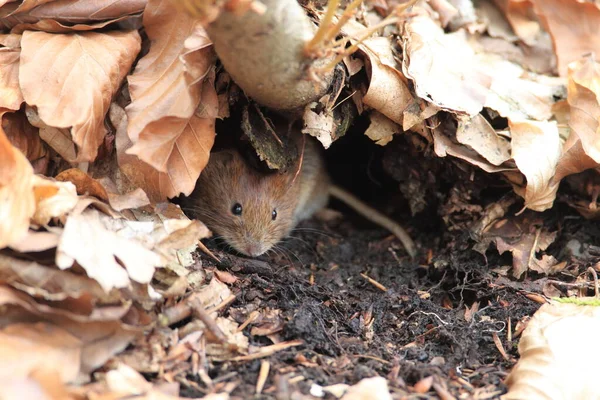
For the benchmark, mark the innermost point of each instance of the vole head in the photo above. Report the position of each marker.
(251, 211)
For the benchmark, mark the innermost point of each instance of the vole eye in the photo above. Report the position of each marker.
(274, 215)
(236, 209)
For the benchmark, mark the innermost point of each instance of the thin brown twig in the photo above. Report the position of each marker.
(200, 312)
(594, 275)
(374, 282)
(268, 350)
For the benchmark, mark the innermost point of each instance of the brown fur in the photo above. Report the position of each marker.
(228, 180)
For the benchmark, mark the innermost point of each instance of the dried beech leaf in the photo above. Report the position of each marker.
(443, 146)
(517, 95)
(381, 129)
(519, 16)
(47, 282)
(173, 109)
(71, 79)
(36, 241)
(84, 183)
(53, 199)
(369, 388)
(160, 87)
(444, 67)
(479, 135)
(387, 91)
(82, 10)
(319, 125)
(23, 135)
(10, 92)
(17, 202)
(25, 348)
(542, 140)
(557, 360)
(134, 199)
(583, 97)
(87, 240)
(573, 26)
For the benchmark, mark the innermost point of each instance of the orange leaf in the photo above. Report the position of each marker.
(17, 203)
(573, 26)
(72, 78)
(10, 92)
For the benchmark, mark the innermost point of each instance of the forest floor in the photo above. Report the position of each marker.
(444, 325)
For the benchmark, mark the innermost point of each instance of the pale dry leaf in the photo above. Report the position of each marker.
(375, 388)
(24, 136)
(11, 40)
(443, 146)
(166, 82)
(518, 95)
(10, 91)
(17, 201)
(58, 138)
(573, 160)
(25, 348)
(82, 10)
(478, 134)
(443, 67)
(38, 385)
(237, 342)
(53, 199)
(387, 91)
(47, 282)
(519, 15)
(557, 361)
(381, 130)
(71, 79)
(136, 173)
(573, 26)
(100, 252)
(536, 149)
(497, 25)
(85, 184)
(134, 199)
(319, 125)
(583, 98)
(36, 241)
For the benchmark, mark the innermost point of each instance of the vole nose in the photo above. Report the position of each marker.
(254, 249)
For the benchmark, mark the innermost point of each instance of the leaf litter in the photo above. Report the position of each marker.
(109, 110)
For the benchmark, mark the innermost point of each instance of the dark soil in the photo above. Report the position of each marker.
(425, 323)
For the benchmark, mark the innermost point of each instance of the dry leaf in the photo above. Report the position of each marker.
(25, 348)
(103, 253)
(10, 92)
(519, 15)
(557, 360)
(319, 125)
(381, 130)
(173, 109)
(369, 388)
(17, 202)
(53, 199)
(536, 149)
(85, 184)
(479, 135)
(444, 67)
(573, 26)
(517, 95)
(583, 97)
(387, 91)
(71, 79)
(24, 136)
